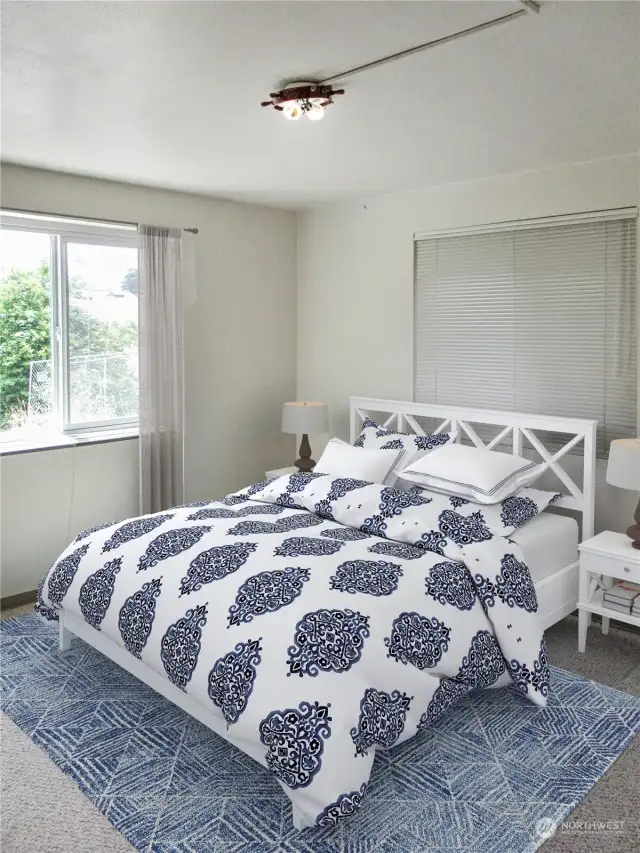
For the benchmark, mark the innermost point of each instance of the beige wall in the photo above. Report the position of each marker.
(240, 355)
(355, 278)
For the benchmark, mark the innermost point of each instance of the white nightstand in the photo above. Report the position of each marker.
(280, 472)
(607, 555)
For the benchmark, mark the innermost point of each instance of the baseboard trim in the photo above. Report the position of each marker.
(18, 600)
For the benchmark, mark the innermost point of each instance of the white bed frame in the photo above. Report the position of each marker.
(557, 594)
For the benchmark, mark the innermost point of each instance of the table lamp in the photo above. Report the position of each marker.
(623, 470)
(305, 418)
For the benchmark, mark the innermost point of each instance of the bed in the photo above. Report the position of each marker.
(245, 605)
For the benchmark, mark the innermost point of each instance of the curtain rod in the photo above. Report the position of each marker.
(80, 218)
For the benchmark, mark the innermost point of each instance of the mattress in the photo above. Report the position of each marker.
(549, 542)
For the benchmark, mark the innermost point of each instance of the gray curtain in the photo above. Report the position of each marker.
(161, 285)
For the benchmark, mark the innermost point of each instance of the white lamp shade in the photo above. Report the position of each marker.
(623, 468)
(312, 418)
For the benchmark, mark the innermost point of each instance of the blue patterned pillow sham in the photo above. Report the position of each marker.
(415, 446)
(504, 517)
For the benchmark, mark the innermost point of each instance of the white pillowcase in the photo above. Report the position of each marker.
(483, 476)
(342, 460)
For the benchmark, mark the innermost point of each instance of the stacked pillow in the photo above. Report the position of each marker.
(469, 475)
(375, 437)
(482, 483)
(477, 474)
(374, 465)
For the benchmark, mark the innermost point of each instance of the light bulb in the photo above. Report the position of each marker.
(292, 111)
(315, 113)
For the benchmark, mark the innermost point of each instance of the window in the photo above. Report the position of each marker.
(533, 317)
(68, 328)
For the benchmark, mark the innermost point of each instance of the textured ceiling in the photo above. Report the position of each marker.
(168, 93)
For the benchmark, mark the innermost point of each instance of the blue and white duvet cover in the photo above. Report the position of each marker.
(322, 618)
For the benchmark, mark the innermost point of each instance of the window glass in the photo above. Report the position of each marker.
(102, 332)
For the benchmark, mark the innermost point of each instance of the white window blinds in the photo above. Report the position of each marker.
(539, 318)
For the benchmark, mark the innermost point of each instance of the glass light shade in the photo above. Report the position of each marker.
(315, 113)
(292, 110)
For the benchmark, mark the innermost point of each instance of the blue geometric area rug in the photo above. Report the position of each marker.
(491, 777)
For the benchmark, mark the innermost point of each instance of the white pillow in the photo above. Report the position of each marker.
(483, 476)
(342, 460)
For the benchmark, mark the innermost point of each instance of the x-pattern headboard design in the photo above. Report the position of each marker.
(580, 438)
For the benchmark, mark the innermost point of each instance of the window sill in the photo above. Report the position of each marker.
(59, 442)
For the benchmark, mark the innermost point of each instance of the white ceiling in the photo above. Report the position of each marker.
(168, 94)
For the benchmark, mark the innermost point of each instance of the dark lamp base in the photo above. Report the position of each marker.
(634, 531)
(305, 463)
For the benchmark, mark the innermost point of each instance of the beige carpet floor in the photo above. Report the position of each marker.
(42, 811)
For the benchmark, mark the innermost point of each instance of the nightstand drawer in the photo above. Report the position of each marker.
(627, 570)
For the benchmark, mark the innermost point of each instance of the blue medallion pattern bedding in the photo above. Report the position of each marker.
(317, 618)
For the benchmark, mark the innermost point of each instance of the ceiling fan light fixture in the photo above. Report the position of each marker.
(298, 99)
